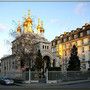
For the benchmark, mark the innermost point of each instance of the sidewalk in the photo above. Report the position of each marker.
(54, 84)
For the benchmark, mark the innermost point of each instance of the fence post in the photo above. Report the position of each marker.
(47, 76)
(29, 76)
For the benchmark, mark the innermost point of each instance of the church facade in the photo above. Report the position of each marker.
(27, 42)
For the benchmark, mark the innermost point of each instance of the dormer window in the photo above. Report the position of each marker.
(55, 42)
(75, 36)
(65, 39)
(83, 28)
(81, 34)
(58, 41)
(88, 32)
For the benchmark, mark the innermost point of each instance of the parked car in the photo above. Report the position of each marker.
(18, 80)
(6, 81)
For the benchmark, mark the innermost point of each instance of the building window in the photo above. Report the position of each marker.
(89, 64)
(54, 61)
(72, 36)
(61, 40)
(58, 41)
(84, 66)
(43, 46)
(13, 64)
(69, 38)
(65, 39)
(5, 68)
(9, 65)
(64, 46)
(85, 41)
(83, 28)
(88, 32)
(65, 53)
(53, 49)
(83, 58)
(47, 47)
(75, 36)
(82, 49)
(52, 43)
(81, 34)
(55, 42)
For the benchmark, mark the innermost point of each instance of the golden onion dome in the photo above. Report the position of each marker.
(38, 27)
(29, 20)
(41, 30)
(25, 23)
(19, 29)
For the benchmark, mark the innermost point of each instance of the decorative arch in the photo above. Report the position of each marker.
(47, 62)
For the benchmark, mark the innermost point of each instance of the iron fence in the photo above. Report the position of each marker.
(68, 75)
(51, 75)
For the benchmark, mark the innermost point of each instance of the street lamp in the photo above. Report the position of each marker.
(30, 70)
(28, 55)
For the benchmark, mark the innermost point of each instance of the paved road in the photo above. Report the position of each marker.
(78, 85)
(47, 86)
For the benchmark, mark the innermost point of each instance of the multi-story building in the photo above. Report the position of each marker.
(61, 46)
(27, 42)
(8, 64)
(0, 66)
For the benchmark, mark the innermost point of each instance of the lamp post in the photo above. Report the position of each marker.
(28, 55)
(29, 58)
(30, 71)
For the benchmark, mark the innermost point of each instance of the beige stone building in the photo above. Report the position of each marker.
(8, 65)
(62, 45)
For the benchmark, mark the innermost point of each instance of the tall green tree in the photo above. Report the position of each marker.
(39, 61)
(39, 64)
(74, 62)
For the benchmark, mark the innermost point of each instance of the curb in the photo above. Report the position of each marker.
(53, 84)
(74, 82)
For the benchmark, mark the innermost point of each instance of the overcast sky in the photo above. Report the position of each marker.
(58, 17)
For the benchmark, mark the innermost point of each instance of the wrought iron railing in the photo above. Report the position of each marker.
(52, 75)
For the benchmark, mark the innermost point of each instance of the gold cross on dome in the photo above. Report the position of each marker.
(28, 13)
(38, 21)
(42, 23)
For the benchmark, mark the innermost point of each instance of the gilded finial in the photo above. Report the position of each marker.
(41, 23)
(24, 17)
(18, 28)
(38, 21)
(28, 13)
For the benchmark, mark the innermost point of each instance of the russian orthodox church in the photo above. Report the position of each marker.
(29, 42)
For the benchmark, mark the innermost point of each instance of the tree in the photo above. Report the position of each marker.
(39, 64)
(39, 61)
(24, 50)
(74, 62)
